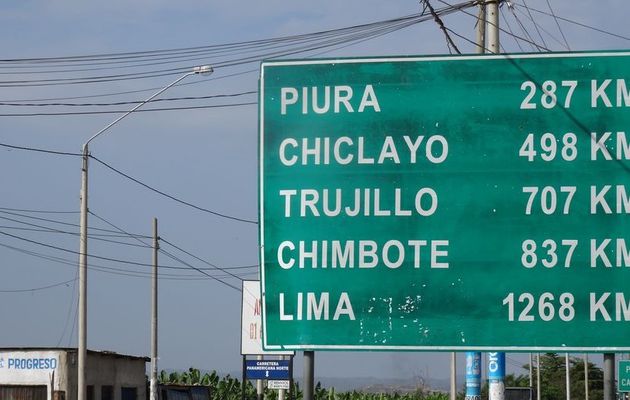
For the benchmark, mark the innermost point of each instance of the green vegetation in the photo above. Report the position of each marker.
(552, 378)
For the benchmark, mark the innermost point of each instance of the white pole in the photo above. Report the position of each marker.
(567, 370)
(492, 27)
(281, 392)
(585, 376)
(154, 315)
(453, 376)
(82, 334)
(531, 375)
(82, 328)
(537, 376)
(481, 29)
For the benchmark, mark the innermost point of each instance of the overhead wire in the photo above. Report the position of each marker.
(161, 239)
(37, 289)
(337, 37)
(152, 89)
(65, 223)
(197, 49)
(178, 259)
(202, 260)
(63, 249)
(71, 306)
(533, 44)
(505, 20)
(43, 114)
(116, 170)
(581, 24)
(371, 30)
(178, 200)
(555, 18)
(109, 269)
(120, 103)
(39, 211)
(449, 41)
(45, 229)
(498, 27)
(536, 26)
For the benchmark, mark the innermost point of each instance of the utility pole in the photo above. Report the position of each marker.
(496, 376)
(496, 384)
(473, 375)
(585, 376)
(537, 376)
(309, 374)
(260, 389)
(492, 26)
(453, 376)
(83, 242)
(83, 229)
(609, 376)
(481, 28)
(281, 392)
(154, 314)
(567, 370)
(531, 375)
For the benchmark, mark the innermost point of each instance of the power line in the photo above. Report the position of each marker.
(196, 49)
(44, 114)
(195, 82)
(518, 44)
(498, 27)
(70, 307)
(202, 260)
(129, 262)
(110, 270)
(215, 213)
(40, 150)
(39, 211)
(583, 25)
(120, 103)
(65, 223)
(45, 229)
(535, 25)
(438, 21)
(558, 24)
(37, 289)
(327, 39)
(370, 30)
(533, 43)
(178, 259)
(238, 289)
(214, 267)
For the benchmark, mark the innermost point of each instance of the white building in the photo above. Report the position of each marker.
(51, 374)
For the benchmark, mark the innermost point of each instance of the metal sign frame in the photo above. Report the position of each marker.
(541, 97)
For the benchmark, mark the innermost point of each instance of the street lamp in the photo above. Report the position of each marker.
(82, 348)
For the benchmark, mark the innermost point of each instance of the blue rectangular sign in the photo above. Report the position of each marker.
(267, 369)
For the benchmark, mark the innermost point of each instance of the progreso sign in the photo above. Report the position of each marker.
(446, 203)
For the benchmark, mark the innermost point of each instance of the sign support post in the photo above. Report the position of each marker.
(309, 374)
(473, 375)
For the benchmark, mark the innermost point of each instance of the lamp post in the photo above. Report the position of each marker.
(82, 334)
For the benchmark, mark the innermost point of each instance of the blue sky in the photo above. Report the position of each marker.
(207, 157)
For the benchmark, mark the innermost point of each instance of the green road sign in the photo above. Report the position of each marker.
(446, 203)
(623, 381)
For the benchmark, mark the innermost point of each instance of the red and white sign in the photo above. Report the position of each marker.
(251, 322)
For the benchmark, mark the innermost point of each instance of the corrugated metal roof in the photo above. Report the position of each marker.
(74, 350)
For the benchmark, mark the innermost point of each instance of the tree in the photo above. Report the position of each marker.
(553, 378)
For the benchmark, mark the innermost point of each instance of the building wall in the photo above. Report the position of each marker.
(57, 370)
(33, 368)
